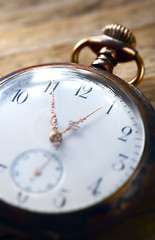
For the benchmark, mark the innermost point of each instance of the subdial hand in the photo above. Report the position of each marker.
(38, 171)
(55, 136)
(75, 125)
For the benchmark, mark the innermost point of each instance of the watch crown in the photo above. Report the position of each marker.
(120, 33)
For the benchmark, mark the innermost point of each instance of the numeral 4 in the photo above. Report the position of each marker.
(95, 186)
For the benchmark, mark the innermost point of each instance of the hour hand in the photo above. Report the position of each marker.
(75, 125)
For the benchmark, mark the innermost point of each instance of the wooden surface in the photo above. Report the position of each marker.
(43, 31)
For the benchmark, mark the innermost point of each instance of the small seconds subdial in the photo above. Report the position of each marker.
(36, 171)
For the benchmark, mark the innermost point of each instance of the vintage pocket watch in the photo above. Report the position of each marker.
(77, 142)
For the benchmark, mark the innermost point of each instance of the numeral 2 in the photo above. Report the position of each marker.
(126, 132)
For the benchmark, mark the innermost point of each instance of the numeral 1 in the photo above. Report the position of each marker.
(110, 108)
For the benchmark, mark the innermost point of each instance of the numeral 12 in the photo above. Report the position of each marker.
(83, 91)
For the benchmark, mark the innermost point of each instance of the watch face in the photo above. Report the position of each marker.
(101, 146)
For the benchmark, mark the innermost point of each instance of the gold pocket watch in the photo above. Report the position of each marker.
(77, 143)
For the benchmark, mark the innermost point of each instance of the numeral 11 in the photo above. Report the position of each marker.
(48, 88)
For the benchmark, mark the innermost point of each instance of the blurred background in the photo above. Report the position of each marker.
(45, 31)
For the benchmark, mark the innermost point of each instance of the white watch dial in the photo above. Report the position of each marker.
(91, 163)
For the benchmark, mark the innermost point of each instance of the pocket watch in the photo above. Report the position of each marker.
(77, 142)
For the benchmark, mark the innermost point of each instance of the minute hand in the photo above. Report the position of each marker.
(75, 125)
(53, 118)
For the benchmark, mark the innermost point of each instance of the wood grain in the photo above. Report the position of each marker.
(35, 32)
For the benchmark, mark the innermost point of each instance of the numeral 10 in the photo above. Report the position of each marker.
(20, 96)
